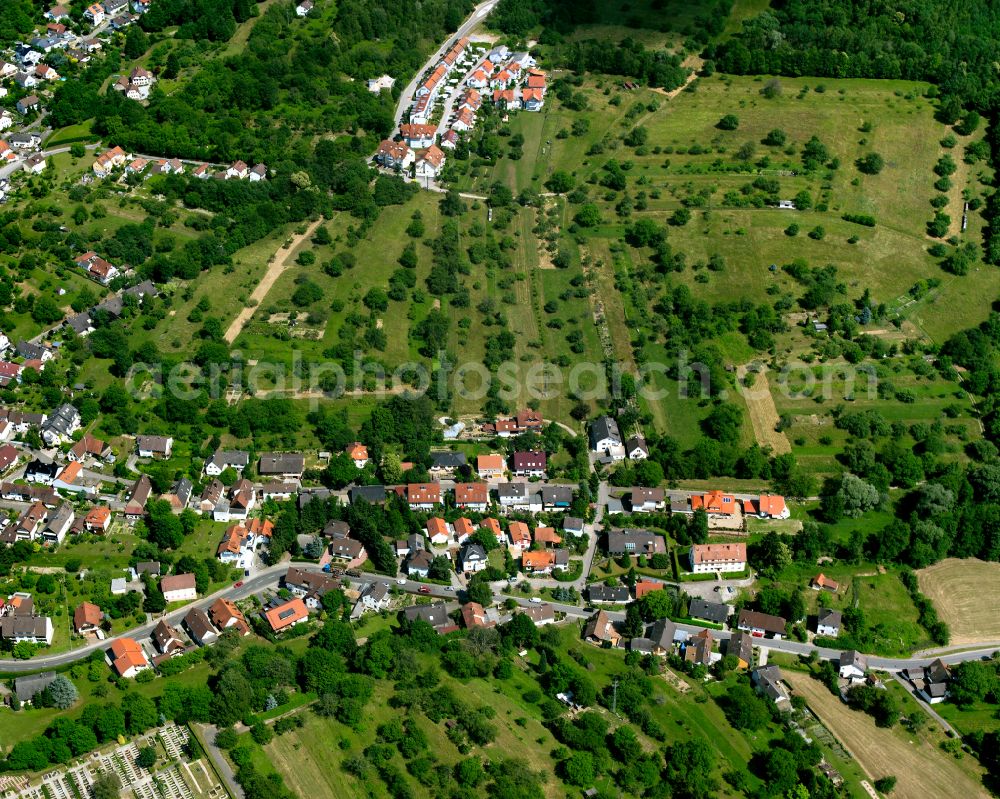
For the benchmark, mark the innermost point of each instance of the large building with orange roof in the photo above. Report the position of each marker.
(127, 657)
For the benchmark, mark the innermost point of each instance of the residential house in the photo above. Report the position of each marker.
(710, 558)
(237, 171)
(823, 583)
(767, 506)
(474, 615)
(58, 524)
(286, 615)
(601, 630)
(88, 446)
(38, 471)
(635, 542)
(532, 99)
(647, 500)
(394, 155)
(135, 505)
(279, 491)
(573, 526)
(540, 562)
(418, 563)
(519, 496)
(473, 558)
(179, 495)
(520, 536)
(375, 597)
(716, 503)
(87, 618)
(240, 542)
(768, 682)
(376, 85)
(167, 639)
(27, 687)
(698, 648)
(828, 622)
(529, 464)
(659, 640)
(715, 612)
(435, 614)
(303, 8)
(9, 455)
(108, 160)
(423, 496)
(98, 519)
(225, 615)
(464, 120)
(258, 173)
(439, 531)
(60, 425)
(490, 467)
(761, 625)
(418, 136)
(127, 658)
(431, 162)
(547, 536)
(347, 552)
(35, 164)
(373, 495)
(539, 614)
(154, 446)
(853, 665)
(606, 438)
(472, 496)
(358, 453)
(200, 627)
(602, 594)
(556, 497)
(178, 587)
(211, 496)
(336, 528)
(223, 459)
(119, 586)
(286, 465)
(449, 139)
(741, 647)
(464, 528)
(446, 463)
(28, 524)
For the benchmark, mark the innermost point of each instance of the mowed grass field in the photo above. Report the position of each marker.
(962, 591)
(921, 768)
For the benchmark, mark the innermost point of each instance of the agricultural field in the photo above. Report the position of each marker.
(961, 591)
(920, 766)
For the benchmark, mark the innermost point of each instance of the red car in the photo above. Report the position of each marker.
(238, 584)
(424, 589)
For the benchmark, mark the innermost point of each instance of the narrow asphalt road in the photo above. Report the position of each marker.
(207, 733)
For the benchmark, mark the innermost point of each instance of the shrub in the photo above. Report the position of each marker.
(728, 122)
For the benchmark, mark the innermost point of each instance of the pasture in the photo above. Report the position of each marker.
(962, 593)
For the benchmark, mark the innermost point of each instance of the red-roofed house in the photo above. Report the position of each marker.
(547, 536)
(538, 562)
(472, 496)
(287, 614)
(708, 558)
(423, 496)
(463, 529)
(520, 535)
(439, 531)
(715, 503)
(127, 657)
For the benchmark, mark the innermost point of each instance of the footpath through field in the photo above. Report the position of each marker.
(274, 271)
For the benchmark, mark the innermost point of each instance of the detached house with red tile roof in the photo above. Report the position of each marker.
(423, 496)
(716, 503)
(394, 154)
(439, 531)
(127, 657)
(472, 496)
(286, 615)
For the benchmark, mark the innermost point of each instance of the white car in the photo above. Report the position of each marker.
(536, 600)
(401, 581)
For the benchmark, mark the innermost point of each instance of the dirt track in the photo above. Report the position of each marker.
(274, 270)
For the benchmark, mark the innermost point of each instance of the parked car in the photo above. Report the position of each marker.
(424, 589)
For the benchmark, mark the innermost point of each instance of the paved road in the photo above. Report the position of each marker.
(406, 96)
(207, 733)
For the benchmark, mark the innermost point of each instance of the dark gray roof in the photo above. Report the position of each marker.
(602, 593)
(374, 495)
(662, 632)
(605, 427)
(80, 322)
(557, 495)
(712, 611)
(281, 463)
(435, 614)
(851, 657)
(635, 542)
(31, 351)
(513, 490)
(448, 460)
(828, 617)
(236, 458)
(27, 687)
